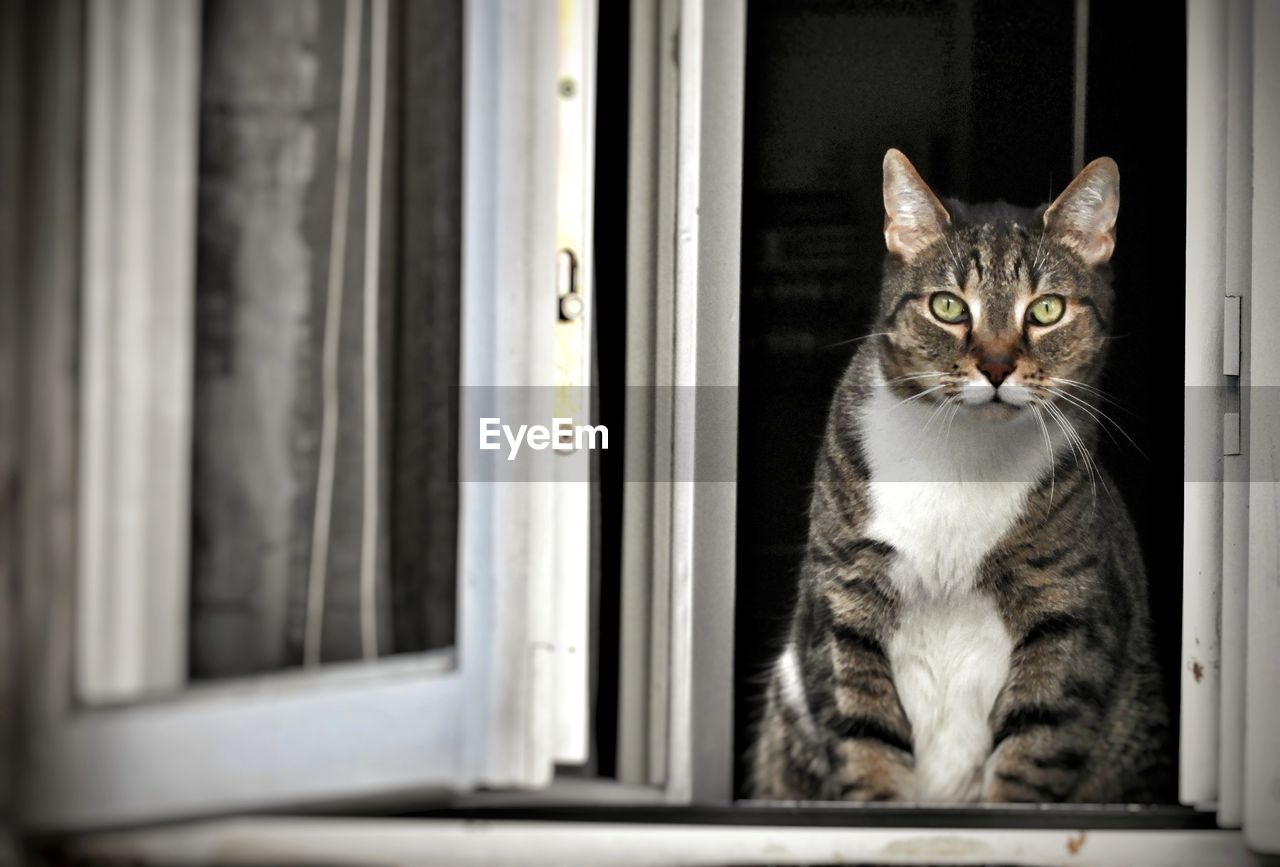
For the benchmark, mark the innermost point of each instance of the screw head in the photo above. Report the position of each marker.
(568, 88)
(571, 306)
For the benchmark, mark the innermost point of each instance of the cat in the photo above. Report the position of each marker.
(972, 619)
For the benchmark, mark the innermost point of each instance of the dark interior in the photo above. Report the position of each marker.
(980, 95)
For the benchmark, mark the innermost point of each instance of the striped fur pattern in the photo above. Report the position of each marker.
(972, 618)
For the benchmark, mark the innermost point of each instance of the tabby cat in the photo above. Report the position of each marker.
(972, 620)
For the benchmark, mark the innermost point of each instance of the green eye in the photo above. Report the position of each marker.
(948, 307)
(1046, 310)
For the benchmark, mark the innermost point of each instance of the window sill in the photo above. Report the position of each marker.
(738, 834)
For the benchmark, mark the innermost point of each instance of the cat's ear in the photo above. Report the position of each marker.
(1084, 216)
(913, 216)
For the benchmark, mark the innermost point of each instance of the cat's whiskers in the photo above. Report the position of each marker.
(957, 405)
(857, 339)
(917, 396)
(1048, 444)
(955, 257)
(910, 376)
(937, 410)
(1100, 416)
(1093, 389)
(1035, 262)
(1094, 472)
(1061, 395)
(1078, 449)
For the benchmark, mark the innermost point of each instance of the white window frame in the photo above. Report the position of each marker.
(1230, 746)
(575, 525)
(684, 242)
(137, 291)
(1202, 470)
(478, 715)
(1261, 754)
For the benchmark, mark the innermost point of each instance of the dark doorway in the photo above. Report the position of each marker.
(982, 97)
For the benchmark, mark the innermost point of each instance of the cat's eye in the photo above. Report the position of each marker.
(1046, 310)
(949, 308)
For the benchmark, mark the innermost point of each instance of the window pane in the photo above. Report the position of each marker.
(278, 210)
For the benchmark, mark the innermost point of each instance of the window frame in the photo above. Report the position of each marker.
(684, 241)
(1229, 756)
(677, 745)
(438, 722)
(1261, 748)
(1202, 376)
(137, 343)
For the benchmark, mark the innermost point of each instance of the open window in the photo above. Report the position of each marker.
(297, 583)
(291, 586)
(314, 248)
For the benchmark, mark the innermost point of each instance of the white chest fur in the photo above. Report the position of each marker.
(950, 657)
(943, 492)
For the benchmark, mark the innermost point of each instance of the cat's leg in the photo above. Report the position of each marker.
(787, 760)
(1080, 717)
(870, 735)
(1133, 761)
(837, 738)
(1049, 718)
(870, 769)
(1040, 749)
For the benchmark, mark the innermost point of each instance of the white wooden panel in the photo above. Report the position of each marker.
(712, 49)
(1235, 462)
(1202, 468)
(138, 335)
(1262, 685)
(509, 195)
(352, 732)
(575, 528)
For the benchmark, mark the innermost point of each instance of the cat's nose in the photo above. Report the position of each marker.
(996, 368)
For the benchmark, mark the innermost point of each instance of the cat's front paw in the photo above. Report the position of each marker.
(867, 773)
(1014, 783)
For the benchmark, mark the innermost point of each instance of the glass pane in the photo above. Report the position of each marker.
(278, 579)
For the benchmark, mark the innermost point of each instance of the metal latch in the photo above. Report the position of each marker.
(571, 304)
